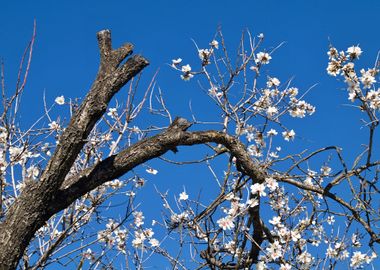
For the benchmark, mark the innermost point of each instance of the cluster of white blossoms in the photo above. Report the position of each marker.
(271, 99)
(19, 155)
(142, 235)
(373, 98)
(204, 56)
(338, 251)
(180, 218)
(360, 86)
(237, 208)
(187, 75)
(139, 218)
(114, 184)
(300, 107)
(358, 259)
(113, 235)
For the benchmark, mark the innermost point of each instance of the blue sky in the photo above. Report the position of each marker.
(66, 57)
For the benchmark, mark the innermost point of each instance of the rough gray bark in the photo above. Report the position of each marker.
(40, 200)
(31, 209)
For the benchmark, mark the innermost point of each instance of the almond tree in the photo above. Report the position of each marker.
(272, 208)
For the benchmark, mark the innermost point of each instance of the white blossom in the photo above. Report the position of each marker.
(151, 171)
(285, 266)
(186, 68)
(357, 259)
(289, 135)
(226, 223)
(373, 97)
(367, 78)
(214, 44)
(330, 220)
(300, 108)
(213, 91)
(275, 221)
(271, 110)
(292, 91)
(305, 259)
(263, 58)
(54, 125)
(112, 112)
(176, 62)
(354, 52)
(139, 218)
(88, 254)
(271, 183)
(273, 82)
(154, 242)
(272, 132)
(60, 100)
(183, 196)
(274, 251)
(334, 68)
(204, 54)
(258, 188)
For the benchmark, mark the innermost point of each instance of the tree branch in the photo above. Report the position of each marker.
(139, 153)
(16, 231)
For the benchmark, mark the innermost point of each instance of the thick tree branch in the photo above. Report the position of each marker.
(16, 231)
(119, 164)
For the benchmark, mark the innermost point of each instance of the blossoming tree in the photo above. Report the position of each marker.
(271, 210)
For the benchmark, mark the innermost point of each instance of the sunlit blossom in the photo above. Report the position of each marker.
(271, 110)
(330, 220)
(151, 171)
(263, 58)
(54, 125)
(60, 100)
(226, 223)
(289, 135)
(272, 132)
(271, 183)
(139, 218)
(183, 196)
(88, 254)
(176, 62)
(214, 44)
(367, 78)
(186, 68)
(258, 189)
(274, 251)
(354, 52)
(273, 82)
(154, 242)
(285, 266)
(112, 112)
(275, 221)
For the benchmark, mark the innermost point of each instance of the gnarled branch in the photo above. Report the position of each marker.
(31, 209)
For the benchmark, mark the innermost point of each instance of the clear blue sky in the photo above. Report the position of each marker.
(66, 57)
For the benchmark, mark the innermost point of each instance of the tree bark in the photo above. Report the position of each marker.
(31, 209)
